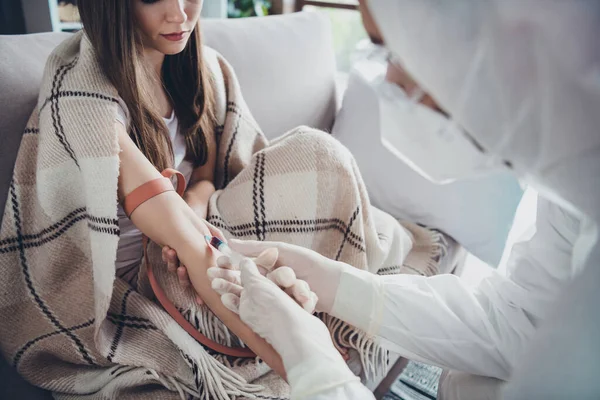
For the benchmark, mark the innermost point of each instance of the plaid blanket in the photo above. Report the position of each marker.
(71, 327)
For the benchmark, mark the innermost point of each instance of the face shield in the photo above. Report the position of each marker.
(431, 143)
(521, 77)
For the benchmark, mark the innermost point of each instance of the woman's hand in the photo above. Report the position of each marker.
(173, 264)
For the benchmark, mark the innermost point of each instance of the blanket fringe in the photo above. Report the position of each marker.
(212, 327)
(439, 250)
(216, 381)
(173, 384)
(429, 247)
(373, 357)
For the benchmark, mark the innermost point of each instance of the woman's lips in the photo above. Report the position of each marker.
(175, 37)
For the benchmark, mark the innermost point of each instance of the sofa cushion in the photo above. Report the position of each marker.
(285, 65)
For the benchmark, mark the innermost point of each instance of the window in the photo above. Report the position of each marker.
(347, 27)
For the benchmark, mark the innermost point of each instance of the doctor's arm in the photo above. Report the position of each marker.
(481, 329)
(441, 320)
(167, 220)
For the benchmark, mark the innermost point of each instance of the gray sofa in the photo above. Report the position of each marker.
(286, 69)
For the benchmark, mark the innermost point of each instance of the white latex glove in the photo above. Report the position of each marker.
(321, 273)
(226, 279)
(300, 338)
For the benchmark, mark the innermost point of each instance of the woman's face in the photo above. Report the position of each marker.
(166, 25)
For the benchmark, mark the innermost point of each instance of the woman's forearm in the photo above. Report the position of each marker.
(167, 220)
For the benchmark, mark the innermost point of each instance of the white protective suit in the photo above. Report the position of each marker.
(523, 78)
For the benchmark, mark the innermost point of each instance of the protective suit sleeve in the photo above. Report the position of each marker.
(482, 329)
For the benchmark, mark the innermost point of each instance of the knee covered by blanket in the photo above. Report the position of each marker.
(306, 138)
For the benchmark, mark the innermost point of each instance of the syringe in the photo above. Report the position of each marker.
(220, 245)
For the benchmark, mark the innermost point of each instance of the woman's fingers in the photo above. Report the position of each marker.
(170, 257)
(164, 253)
(184, 279)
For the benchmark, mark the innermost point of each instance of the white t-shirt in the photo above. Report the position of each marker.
(129, 251)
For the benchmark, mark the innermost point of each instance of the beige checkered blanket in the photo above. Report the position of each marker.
(69, 326)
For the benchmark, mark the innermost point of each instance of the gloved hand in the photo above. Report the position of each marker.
(226, 278)
(352, 295)
(321, 273)
(299, 337)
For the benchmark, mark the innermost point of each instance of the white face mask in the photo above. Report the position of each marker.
(426, 140)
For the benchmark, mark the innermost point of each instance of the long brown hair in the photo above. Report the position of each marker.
(110, 27)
